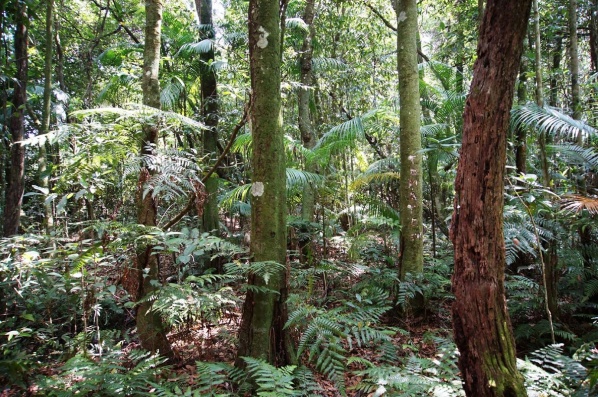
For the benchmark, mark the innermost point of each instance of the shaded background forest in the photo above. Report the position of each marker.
(360, 323)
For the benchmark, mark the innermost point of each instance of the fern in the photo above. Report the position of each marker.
(271, 381)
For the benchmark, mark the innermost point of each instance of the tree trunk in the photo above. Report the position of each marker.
(209, 113)
(574, 63)
(151, 330)
(521, 132)
(556, 64)
(593, 17)
(308, 136)
(481, 323)
(15, 183)
(44, 175)
(410, 195)
(261, 334)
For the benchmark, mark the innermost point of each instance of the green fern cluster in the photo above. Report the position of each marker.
(328, 337)
(82, 376)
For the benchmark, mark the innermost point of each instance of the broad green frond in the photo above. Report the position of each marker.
(549, 120)
(138, 111)
(301, 178)
(328, 64)
(578, 155)
(201, 47)
(172, 92)
(237, 194)
(297, 23)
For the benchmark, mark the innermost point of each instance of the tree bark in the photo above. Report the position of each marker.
(410, 191)
(481, 323)
(593, 17)
(308, 136)
(15, 183)
(209, 113)
(574, 63)
(46, 116)
(151, 329)
(261, 334)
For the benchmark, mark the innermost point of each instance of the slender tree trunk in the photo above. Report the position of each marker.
(261, 334)
(521, 133)
(410, 195)
(574, 63)
(593, 17)
(481, 323)
(44, 175)
(15, 183)
(549, 257)
(151, 329)
(209, 112)
(556, 64)
(308, 136)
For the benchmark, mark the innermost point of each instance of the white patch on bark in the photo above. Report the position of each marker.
(263, 40)
(257, 189)
(402, 16)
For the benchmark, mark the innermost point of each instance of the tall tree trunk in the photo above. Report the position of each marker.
(209, 112)
(308, 136)
(593, 17)
(410, 194)
(151, 329)
(481, 323)
(261, 334)
(46, 115)
(556, 64)
(574, 63)
(521, 132)
(15, 183)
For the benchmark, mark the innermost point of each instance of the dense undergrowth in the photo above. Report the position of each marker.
(68, 324)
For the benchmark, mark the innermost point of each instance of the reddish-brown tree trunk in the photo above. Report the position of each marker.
(15, 184)
(481, 323)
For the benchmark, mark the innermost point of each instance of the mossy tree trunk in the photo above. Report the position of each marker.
(209, 114)
(261, 334)
(481, 323)
(410, 191)
(150, 327)
(15, 184)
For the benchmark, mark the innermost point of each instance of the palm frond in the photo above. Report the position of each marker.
(299, 178)
(296, 23)
(138, 111)
(578, 155)
(172, 92)
(328, 64)
(201, 47)
(549, 120)
(577, 203)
